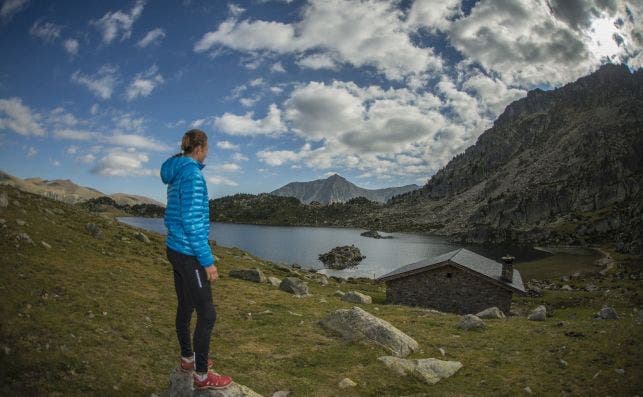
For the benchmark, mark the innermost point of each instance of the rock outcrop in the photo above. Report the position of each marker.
(180, 385)
(342, 257)
(357, 324)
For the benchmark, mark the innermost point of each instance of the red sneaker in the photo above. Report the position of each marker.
(212, 381)
(187, 367)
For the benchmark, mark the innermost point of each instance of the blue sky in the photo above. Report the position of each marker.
(384, 93)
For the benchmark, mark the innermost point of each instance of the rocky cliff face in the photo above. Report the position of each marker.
(564, 165)
(336, 189)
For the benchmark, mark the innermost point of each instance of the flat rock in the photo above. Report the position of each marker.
(357, 324)
(339, 293)
(538, 314)
(274, 281)
(254, 275)
(294, 285)
(606, 313)
(356, 297)
(346, 382)
(471, 321)
(491, 312)
(428, 370)
(180, 385)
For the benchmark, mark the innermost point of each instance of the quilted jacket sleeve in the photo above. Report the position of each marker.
(194, 215)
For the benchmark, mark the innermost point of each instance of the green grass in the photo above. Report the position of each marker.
(56, 348)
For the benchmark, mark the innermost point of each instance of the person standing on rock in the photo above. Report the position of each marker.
(187, 219)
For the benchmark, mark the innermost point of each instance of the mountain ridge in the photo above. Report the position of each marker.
(336, 189)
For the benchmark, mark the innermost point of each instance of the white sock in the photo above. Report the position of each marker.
(200, 377)
(188, 359)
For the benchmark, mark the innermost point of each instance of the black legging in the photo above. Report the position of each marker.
(193, 291)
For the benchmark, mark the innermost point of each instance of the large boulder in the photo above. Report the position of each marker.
(342, 257)
(294, 285)
(491, 312)
(606, 313)
(93, 230)
(254, 275)
(538, 314)
(374, 234)
(428, 370)
(470, 321)
(180, 385)
(358, 325)
(356, 297)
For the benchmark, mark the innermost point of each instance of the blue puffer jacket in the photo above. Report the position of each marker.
(187, 214)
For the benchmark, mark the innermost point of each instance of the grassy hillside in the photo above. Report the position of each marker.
(96, 317)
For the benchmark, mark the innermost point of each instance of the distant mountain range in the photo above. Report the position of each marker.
(336, 189)
(69, 192)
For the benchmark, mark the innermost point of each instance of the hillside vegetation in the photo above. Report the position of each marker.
(95, 316)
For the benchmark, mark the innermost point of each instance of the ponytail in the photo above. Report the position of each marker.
(191, 140)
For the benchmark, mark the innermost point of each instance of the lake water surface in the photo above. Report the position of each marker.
(303, 244)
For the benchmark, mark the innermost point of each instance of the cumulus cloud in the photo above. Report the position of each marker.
(19, 118)
(432, 14)
(227, 145)
(154, 36)
(123, 163)
(31, 152)
(246, 125)
(101, 84)
(71, 46)
(360, 33)
(317, 61)
(228, 167)
(144, 83)
(277, 67)
(46, 31)
(115, 23)
(10, 8)
(239, 157)
(220, 180)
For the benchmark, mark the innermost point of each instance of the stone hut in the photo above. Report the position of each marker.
(459, 281)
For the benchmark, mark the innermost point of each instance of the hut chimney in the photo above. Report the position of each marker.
(507, 268)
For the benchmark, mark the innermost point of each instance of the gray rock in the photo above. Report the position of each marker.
(4, 200)
(323, 280)
(339, 293)
(491, 312)
(428, 370)
(607, 313)
(342, 257)
(538, 314)
(281, 393)
(254, 275)
(44, 244)
(180, 385)
(358, 325)
(471, 321)
(20, 222)
(566, 287)
(23, 237)
(274, 281)
(346, 382)
(294, 285)
(142, 237)
(356, 297)
(93, 230)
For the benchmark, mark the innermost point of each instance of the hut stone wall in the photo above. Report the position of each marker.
(448, 289)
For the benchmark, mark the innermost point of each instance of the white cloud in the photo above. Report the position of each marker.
(59, 116)
(239, 157)
(144, 83)
(119, 22)
(71, 46)
(19, 118)
(317, 61)
(94, 109)
(220, 180)
(361, 33)
(279, 157)
(154, 36)
(227, 145)
(102, 83)
(245, 125)
(47, 31)
(135, 141)
(122, 163)
(10, 8)
(56, 163)
(277, 67)
(76, 135)
(31, 152)
(228, 167)
(72, 149)
(86, 158)
(432, 14)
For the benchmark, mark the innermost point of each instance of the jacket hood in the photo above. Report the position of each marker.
(174, 166)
